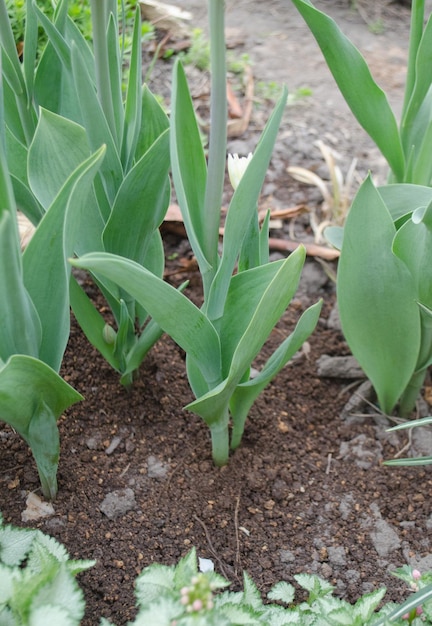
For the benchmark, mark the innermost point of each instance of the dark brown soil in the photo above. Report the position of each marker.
(300, 494)
(286, 503)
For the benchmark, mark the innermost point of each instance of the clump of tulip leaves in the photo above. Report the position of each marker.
(223, 337)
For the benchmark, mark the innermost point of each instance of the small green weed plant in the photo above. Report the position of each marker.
(37, 580)
(38, 587)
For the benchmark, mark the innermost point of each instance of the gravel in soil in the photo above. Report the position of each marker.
(306, 491)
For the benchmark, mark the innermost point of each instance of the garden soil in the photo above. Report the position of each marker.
(306, 491)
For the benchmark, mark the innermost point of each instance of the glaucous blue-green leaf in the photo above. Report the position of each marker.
(57, 149)
(141, 203)
(154, 122)
(422, 83)
(96, 125)
(91, 322)
(376, 296)
(177, 315)
(243, 203)
(46, 271)
(403, 199)
(189, 168)
(413, 245)
(32, 398)
(20, 328)
(268, 310)
(247, 392)
(133, 106)
(245, 293)
(365, 98)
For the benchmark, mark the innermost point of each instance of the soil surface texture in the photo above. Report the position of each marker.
(306, 491)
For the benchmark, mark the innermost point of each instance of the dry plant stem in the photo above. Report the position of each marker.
(211, 547)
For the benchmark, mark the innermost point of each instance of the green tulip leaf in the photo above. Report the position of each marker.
(32, 398)
(379, 315)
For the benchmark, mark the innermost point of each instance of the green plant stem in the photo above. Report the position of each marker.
(220, 440)
(416, 31)
(412, 391)
(238, 430)
(218, 140)
(100, 17)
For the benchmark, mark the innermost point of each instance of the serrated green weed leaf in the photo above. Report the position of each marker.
(283, 592)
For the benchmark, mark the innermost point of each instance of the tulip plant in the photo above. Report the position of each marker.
(34, 308)
(384, 289)
(223, 337)
(384, 279)
(406, 147)
(76, 96)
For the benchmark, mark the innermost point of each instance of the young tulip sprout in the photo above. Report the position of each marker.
(237, 167)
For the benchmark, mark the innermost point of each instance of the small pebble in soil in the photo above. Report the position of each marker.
(117, 503)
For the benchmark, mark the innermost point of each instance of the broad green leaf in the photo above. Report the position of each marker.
(273, 302)
(413, 245)
(20, 330)
(141, 204)
(189, 169)
(16, 153)
(376, 296)
(179, 317)
(366, 100)
(251, 594)
(125, 336)
(58, 148)
(154, 122)
(402, 199)
(422, 167)
(334, 236)
(244, 201)
(367, 605)
(43, 438)
(423, 80)
(151, 333)
(245, 293)
(7, 40)
(95, 123)
(54, 85)
(55, 36)
(32, 398)
(246, 393)
(46, 271)
(61, 591)
(20, 120)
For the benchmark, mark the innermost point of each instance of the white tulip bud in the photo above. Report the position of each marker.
(237, 167)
